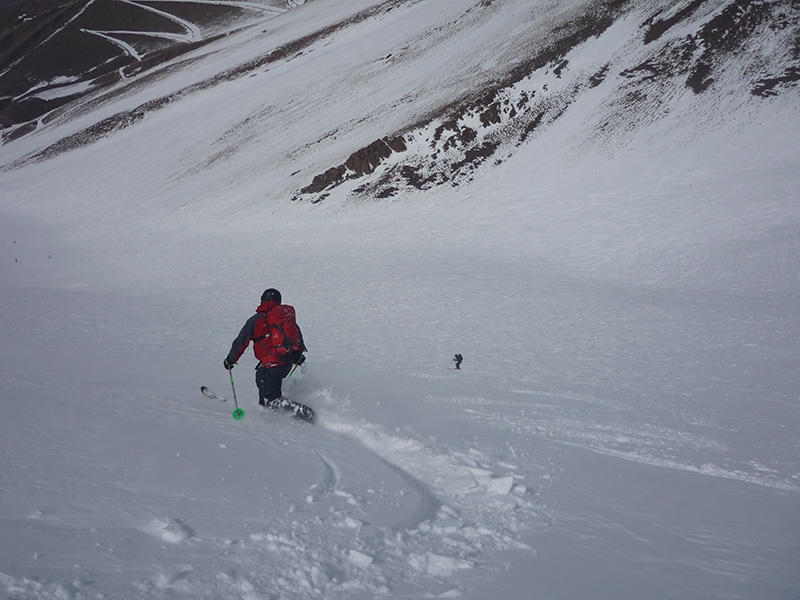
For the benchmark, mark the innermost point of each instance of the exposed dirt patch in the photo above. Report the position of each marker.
(655, 27)
(359, 163)
(769, 86)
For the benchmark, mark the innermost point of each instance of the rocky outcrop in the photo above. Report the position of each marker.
(361, 162)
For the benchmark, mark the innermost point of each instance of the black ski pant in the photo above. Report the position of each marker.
(269, 380)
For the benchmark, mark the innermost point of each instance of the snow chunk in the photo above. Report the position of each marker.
(459, 483)
(169, 530)
(31, 588)
(352, 523)
(500, 485)
(437, 565)
(360, 559)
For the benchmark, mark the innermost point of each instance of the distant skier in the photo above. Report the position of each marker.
(277, 344)
(458, 358)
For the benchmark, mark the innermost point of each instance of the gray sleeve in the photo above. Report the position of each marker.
(242, 340)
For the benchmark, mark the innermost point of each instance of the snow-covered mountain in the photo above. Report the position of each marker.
(594, 202)
(54, 52)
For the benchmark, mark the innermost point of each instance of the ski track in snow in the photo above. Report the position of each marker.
(454, 509)
(466, 510)
(474, 513)
(457, 507)
(642, 443)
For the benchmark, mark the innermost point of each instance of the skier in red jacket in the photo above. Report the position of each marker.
(277, 345)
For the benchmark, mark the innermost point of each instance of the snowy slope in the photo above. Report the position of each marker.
(622, 280)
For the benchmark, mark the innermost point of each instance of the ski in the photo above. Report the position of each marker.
(213, 395)
(238, 413)
(301, 412)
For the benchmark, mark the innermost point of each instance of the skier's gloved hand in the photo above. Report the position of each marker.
(300, 360)
(228, 364)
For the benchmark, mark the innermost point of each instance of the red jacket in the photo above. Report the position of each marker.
(256, 330)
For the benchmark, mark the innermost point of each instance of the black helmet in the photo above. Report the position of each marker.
(271, 294)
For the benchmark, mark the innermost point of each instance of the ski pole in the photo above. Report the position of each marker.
(238, 413)
(297, 363)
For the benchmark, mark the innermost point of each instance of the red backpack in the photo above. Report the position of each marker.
(281, 336)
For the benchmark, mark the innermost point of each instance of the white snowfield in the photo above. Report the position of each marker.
(626, 423)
